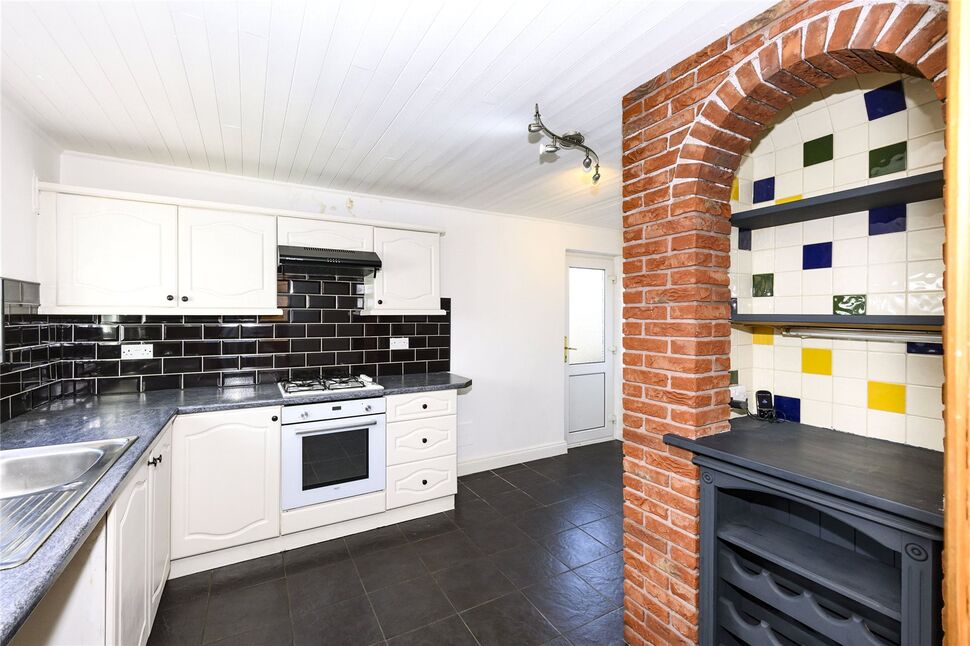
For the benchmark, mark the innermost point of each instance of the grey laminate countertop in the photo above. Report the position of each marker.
(143, 415)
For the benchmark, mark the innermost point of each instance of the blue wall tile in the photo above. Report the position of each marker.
(924, 348)
(764, 189)
(788, 408)
(885, 100)
(887, 219)
(744, 239)
(817, 256)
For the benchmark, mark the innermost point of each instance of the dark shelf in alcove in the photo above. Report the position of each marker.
(917, 188)
(932, 323)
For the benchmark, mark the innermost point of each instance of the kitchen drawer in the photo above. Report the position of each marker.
(420, 405)
(419, 481)
(421, 439)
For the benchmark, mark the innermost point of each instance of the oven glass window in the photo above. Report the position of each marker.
(334, 458)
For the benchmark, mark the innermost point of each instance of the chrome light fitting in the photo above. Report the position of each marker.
(568, 141)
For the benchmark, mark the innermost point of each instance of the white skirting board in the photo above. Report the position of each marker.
(201, 562)
(513, 457)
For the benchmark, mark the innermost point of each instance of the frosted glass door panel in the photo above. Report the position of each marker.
(587, 302)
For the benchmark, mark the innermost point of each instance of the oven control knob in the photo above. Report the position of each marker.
(367, 408)
(304, 415)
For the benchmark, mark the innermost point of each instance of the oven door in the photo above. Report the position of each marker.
(332, 459)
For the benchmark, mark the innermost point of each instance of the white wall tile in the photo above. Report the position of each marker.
(887, 247)
(788, 184)
(849, 419)
(851, 170)
(925, 244)
(924, 401)
(763, 356)
(818, 177)
(851, 252)
(761, 380)
(850, 280)
(886, 426)
(788, 259)
(766, 305)
(851, 225)
(890, 277)
(763, 261)
(843, 344)
(849, 391)
(764, 165)
(788, 283)
(887, 130)
(924, 215)
(924, 276)
(817, 387)
(924, 303)
(887, 367)
(814, 124)
(788, 384)
(785, 133)
(788, 159)
(816, 413)
(849, 363)
(816, 282)
(924, 119)
(918, 91)
(925, 150)
(789, 305)
(924, 369)
(762, 239)
(886, 304)
(851, 141)
(788, 359)
(817, 304)
(887, 347)
(820, 230)
(924, 432)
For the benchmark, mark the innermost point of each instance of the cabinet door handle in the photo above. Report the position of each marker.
(424, 406)
(424, 482)
(275, 418)
(152, 462)
(424, 440)
(185, 299)
(380, 302)
(170, 298)
(159, 458)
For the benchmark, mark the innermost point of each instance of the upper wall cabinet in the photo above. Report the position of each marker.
(408, 282)
(226, 259)
(304, 232)
(115, 253)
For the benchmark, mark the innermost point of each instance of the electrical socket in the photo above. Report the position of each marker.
(400, 343)
(138, 351)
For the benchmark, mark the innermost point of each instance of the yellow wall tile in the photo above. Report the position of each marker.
(783, 200)
(735, 190)
(763, 335)
(887, 397)
(817, 361)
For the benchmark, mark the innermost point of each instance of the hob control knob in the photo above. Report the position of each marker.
(367, 408)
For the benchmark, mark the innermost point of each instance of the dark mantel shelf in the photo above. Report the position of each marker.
(896, 478)
(917, 188)
(837, 320)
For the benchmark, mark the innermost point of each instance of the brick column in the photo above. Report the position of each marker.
(684, 132)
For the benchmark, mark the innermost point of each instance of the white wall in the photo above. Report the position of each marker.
(505, 276)
(25, 153)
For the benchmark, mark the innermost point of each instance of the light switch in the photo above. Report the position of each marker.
(138, 351)
(400, 343)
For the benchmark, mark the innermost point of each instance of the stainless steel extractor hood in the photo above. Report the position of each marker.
(328, 261)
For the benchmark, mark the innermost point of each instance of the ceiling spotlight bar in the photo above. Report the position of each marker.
(570, 140)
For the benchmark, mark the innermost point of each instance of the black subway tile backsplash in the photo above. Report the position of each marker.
(320, 333)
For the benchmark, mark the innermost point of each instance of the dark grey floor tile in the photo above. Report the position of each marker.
(447, 550)
(527, 564)
(473, 583)
(579, 511)
(605, 631)
(317, 587)
(464, 494)
(525, 477)
(472, 512)
(567, 601)
(574, 547)
(238, 611)
(488, 485)
(390, 566)
(541, 522)
(347, 623)
(374, 540)
(422, 528)
(508, 620)
(548, 493)
(496, 536)
(246, 573)
(606, 575)
(501, 471)
(311, 556)
(194, 587)
(277, 634)
(447, 632)
(509, 503)
(554, 468)
(405, 606)
(608, 531)
(179, 625)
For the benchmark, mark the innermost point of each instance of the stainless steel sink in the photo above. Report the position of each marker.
(40, 486)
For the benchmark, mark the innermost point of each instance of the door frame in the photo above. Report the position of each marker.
(612, 405)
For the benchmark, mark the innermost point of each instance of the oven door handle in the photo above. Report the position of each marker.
(324, 428)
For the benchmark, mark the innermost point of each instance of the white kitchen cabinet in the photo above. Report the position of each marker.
(415, 482)
(129, 563)
(225, 479)
(160, 487)
(226, 259)
(304, 232)
(114, 253)
(432, 403)
(408, 281)
(421, 439)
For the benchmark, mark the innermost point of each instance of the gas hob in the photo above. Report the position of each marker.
(328, 384)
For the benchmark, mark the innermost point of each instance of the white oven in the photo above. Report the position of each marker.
(332, 450)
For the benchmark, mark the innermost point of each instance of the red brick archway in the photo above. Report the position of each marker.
(684, 133)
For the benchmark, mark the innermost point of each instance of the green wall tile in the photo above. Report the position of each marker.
(849, 304)
(888, 159)
(733, 374)
(763, 285)
(817, 151)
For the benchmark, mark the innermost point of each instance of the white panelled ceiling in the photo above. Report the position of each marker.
(419, 99)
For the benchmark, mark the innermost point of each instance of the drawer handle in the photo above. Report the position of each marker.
(424, 482)
(275, 418)
(424, 440)
(170, 298)
(424, 406)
